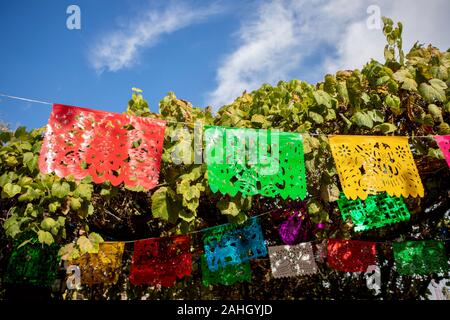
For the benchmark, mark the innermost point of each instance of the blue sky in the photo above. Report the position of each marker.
(207, 52)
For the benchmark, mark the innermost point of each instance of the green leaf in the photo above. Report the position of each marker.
(84, 191)
(187, 215)
(362, 119)
(31, 194)
(229, 207)
(376, 115)
(75, 204)
(12, 161)
(447, 107)
(347, 122)
(382, 80)
(436, 113)
(435, 153)
(394, 103)
(45, 237)
(52, 207)
(444, 128)
(406, 78)
(331, 115)
(85, 245)
(48, 223)
(10, 190)
(68, 252)
(61, 221)
(435, 91)
(12, 226)
(159, 204)
(21, 133)
(322, 98)
(314, 207)
(105, 192)
(439, 72)
(95, 237)
(60, 190)
(385, 127)
(95, 240)
(260, 120)
(317, 118)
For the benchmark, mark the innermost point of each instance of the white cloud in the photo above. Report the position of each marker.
(274, 42)
(425, 21)
(120, 49)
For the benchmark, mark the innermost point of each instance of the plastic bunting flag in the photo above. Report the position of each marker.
(161, 261)
(102, 267)
(444, 144)
(227, 275)
(374, 212)
(292, 261)
(420, 257)
(369, 165)
(351, 255)
(32, 263)
(253, 161)
(107, 146)
(233, 244)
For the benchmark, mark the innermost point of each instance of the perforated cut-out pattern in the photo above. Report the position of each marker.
(233, 244)
(292, 261)
(32, 264)
(228, 275)
(295, 227)
(253, 161)
(161, 261)
(374, 212)
(351, 255)
(369, 165)
(102, 267)
(420, 257)
(108, 146)
(444, 145)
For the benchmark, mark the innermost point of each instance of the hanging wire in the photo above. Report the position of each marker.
(25, 99)
(193, 123)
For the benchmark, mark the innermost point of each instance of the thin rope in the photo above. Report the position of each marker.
(193, 123)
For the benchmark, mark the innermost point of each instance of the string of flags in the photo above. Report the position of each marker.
(227, 252)
(376, 173)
